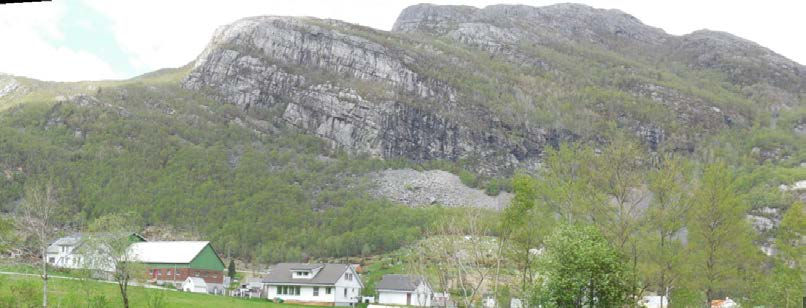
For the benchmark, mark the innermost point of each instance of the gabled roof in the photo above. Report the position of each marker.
(329, 274)
(198, 282)
(77, 239)
(70, 240)
(399, 282)
(167, 251)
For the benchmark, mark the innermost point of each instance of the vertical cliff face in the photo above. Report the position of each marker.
(493, 86)
(316, 73)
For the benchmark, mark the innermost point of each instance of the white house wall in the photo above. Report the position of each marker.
(353, 288)
(305, 294)
(421, 296)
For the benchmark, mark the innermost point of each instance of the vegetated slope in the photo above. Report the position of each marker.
(178, 159)
(495, 86)
(263, 142)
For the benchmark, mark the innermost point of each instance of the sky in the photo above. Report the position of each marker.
(73, 40)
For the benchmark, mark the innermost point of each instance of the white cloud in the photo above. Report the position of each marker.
(26, 31)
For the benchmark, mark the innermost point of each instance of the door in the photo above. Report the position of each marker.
(408, 299)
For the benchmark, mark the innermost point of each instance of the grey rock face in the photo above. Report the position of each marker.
(491, 86)
(555, 23)
(296, 63)
(10, 87)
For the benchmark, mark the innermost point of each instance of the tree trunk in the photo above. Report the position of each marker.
(123, 294)
(44, 276)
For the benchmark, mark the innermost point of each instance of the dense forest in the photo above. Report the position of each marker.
(262, 197)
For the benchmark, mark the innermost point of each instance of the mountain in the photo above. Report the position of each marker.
(271, 141)
(496, 85)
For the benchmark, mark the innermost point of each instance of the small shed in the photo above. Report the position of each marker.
(195, 285)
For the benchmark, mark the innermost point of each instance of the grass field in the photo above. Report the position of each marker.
(26, 291)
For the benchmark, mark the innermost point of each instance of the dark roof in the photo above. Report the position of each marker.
(304, 266)
(329, 274)
(399, 282)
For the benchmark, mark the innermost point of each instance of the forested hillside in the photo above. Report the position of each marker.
(178, 159)
(265, 143)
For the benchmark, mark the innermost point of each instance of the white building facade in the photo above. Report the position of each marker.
(404, 290)
(61, 252)
(321, 284)
(194, 285)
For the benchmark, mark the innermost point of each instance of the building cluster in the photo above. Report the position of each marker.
(187, 265)
(194, 266)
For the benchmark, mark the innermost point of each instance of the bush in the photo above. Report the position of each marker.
(468, 178)
(492, 189)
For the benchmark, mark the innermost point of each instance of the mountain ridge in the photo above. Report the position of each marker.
(403, 75)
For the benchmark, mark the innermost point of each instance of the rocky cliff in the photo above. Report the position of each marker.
(492, 86)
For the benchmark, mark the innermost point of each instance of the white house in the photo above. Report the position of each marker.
(61, 252)
(195, 285)
(321, 284)
(72, 251)
(408, 290)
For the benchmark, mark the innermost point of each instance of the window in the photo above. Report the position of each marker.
(51, 260)
(168, 273)
(328, 291)
(348, 276)
(288, 290)
(196, 274)
(345, 292)
(315, 291)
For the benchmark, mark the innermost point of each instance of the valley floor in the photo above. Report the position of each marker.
(26, 291)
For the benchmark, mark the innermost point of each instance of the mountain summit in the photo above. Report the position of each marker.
(494, 85)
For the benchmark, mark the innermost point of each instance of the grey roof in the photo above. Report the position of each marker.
(304, 266)
(329, 274)
(77, 239)
(71, 240)
(399, 282)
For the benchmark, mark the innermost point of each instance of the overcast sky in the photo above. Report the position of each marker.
(108, 39)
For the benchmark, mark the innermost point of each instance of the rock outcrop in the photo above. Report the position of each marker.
(309, 70)
(492, 86)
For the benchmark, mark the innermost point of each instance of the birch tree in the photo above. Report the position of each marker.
(719, 234)
(464, 253)
(36, 219)
(108, 251)
(670, 183)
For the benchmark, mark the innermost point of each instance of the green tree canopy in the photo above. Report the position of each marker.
(581, 268)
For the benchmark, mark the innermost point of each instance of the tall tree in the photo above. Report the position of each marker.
(618, 173)
(582, 269)
(790, 242)
(670, 183)
(566, 185)
(36, 219)
(107, 250)
(231, 269)
(719, 234)
(524, 224)
(465, 255)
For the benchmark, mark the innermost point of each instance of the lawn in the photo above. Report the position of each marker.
(26, 291)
